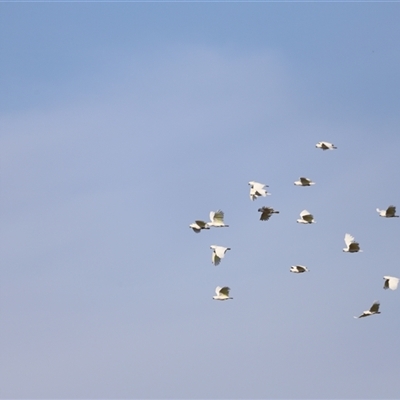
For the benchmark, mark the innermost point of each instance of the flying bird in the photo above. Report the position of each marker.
(222, 293)
(218, 253)
(217, 219)
(325, 146)
(258, 189)
(298, 269)
(306, 218)
(373, 310)
(352, 245)
(390, 282)
(197, 226)
(266, 213)
(390, 212)
(304, 182)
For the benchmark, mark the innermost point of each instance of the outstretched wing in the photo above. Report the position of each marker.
(391, 211)
(348, 239)
(304, 181)
(217, 217)
(375, 307)
(306, 216)
(215, 259)
(266, 213)
(354, 247)
(324, 146)
(224, 291)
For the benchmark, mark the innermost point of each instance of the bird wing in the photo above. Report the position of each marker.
(217, 289)
(215, 259)
(348, 239)
(324, 146)
(218, 216)
(386, 284)
(391, 282)
(266, 213)
(225, 291)
(354, 246)
(220, 251)
(300, 268)
(375, 307)
(391, 211)
(201, 224)
(306, 216)
(304, 181)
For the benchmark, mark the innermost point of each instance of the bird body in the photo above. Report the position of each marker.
(257, 189)
(325, 146)
(298, 269)
(304, 182)
(266, 213)
(198, 225)
(306, 218)
(352, 245)
(390, 282)
(217, 219)
(373, 310)
(222, 293)
(390, 212)
(218, 253)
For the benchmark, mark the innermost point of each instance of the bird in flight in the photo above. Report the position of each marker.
(352, 245)
(390, 212)
(390, 282)
(218, 253)
(304, 182)
(306, 218)
(222, 293)
(217, 219)
(298, 269)
(257, 189)
(266, 213)
(325, 146)
(373, 310)
(198, 225)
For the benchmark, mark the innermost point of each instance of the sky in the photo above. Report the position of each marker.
(122, 123)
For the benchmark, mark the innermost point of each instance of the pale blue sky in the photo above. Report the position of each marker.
(122, 123)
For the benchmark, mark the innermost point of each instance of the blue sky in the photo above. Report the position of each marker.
(122, 123)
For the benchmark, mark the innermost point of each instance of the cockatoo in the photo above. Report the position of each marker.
(325, 146)
(257, 189)
(304, 182)
(222, 293)
(218, 253)
(390, 212)
(373, 310)
(266, 213)
(352, 245)
(306, 218)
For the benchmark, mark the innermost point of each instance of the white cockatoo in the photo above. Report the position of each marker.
(298, 269)
(325, 146)
(222, 293)
(304, 182)
(198, 225)
(306, 218)
(257, 189)
(217, 219)
(266, 213)
(218, 253)
(373, 310)
(352, 245)
(390, 212)
(390, 282)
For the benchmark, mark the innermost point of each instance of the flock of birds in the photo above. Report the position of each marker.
(258, 189)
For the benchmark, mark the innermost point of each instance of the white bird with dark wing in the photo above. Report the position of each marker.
(222, 293)
(197, 226)
(257, 189)
(304, 182)
(390, 282)
(306, 218)
(325, 146)
(352, 245)
(373, 310)
(266, 213)
(390, 212)
(217, 219)
(298, 269)
(218, 253)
